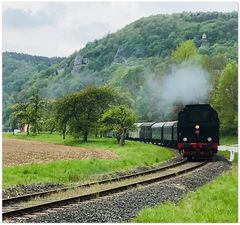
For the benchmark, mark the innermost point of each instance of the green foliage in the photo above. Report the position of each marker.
(27, 113)
(216, 202)
(214, 65)
(128, 78)
(79, 112)
(225, 100)
(132, 155)
(159, 35)
(18, 69)
(118, 119)
(48, 113)
(6, 114)
(186, 50)
(127, 60)
(228, 140)
(20, 116)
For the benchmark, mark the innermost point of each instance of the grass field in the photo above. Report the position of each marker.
(228, 140)
(131, 155)
(215, 202)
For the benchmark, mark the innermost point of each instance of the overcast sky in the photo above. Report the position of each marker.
(60, 28)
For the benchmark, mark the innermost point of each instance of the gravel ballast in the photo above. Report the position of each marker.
(24, 189)
(124, 206)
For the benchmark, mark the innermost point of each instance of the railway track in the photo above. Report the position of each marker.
(18, 206)
(26, 197)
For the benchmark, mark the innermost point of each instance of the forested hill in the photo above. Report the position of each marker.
(159, 35)
(41, 62)
(18, 68)
(128, 58)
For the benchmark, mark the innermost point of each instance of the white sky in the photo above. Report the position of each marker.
(60, 28)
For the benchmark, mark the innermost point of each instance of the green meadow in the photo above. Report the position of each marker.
(131, 155)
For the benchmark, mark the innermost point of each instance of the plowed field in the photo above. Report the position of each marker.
(24, 152)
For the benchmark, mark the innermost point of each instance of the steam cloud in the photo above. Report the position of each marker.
(187, 83)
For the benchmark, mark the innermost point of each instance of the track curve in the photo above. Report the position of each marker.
(143, 178)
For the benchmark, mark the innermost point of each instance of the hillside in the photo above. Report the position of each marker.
(18, 69)
(127, 59)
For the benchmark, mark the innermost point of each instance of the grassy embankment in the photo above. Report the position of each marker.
(131, 155)
(228, 140)
(216, 201)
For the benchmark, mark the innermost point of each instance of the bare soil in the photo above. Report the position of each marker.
(17, 152)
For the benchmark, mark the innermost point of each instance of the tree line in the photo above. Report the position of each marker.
(93, 110)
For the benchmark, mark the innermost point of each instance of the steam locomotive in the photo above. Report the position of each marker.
(195, 134)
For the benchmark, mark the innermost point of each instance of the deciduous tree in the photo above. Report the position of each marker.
(118, 119)
(185, 51)
(225, 99)
(79, 112)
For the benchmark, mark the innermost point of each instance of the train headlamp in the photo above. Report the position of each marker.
(184, 139)
(209, 138)
(197, 127)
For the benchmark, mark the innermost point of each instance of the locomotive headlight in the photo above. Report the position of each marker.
(184, 139)
(209, 138)
(197, 127)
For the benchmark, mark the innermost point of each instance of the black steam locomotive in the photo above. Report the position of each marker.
(195, 134)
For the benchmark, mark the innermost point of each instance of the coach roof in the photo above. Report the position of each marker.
(147, 124)
(157, 125)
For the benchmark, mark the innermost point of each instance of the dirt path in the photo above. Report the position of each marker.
(24, 152)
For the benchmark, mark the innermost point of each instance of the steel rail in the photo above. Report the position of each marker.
(26, 197)
(92, 195)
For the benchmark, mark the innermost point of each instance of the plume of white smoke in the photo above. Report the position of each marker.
(186, 83)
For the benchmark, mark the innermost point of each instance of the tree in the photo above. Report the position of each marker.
(80, 112)
(129, 78)
(184, 51)
(48, 114)
(34, 108)
(20, 116)
(225, 99)
(6, 114)
(64, 113)
(28, 113)
(13, 122)
(118, 119)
